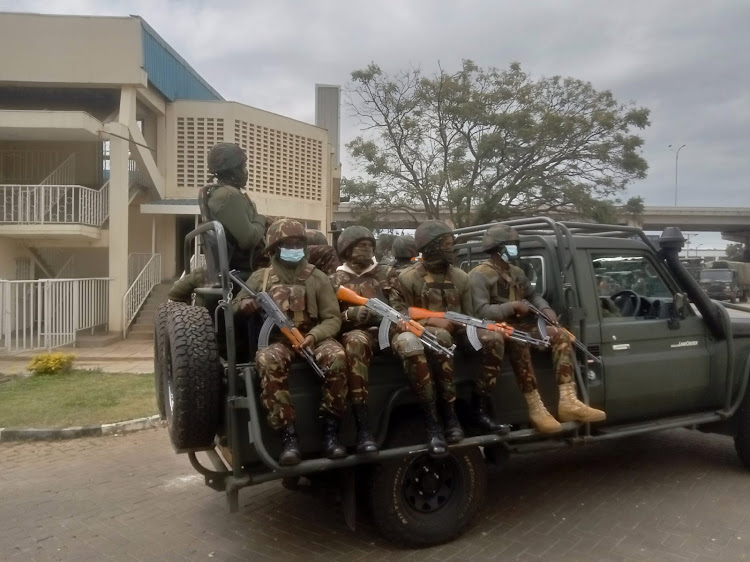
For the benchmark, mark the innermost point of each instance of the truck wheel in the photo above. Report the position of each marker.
(420, 501)
(193, 381)
(161, 351)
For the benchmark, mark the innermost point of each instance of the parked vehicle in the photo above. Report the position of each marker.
(670, 358)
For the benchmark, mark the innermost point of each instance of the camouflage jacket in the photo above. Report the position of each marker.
(182, 290)
(433, 291)
(323, 257)
(381, 282)
(303, 292)
(494, 288)
(238, 215)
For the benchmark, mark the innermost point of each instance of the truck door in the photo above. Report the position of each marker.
(651, 366)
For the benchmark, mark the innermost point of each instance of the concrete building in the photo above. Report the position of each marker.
(104, 131)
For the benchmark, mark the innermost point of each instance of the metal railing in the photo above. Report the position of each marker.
(28, 166)
(54, 204)
(64, 174)
(136, 263)
(48, 313)
(139, 289)
(66, 271)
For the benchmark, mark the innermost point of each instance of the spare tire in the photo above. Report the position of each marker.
(161, 351)
(193, 383)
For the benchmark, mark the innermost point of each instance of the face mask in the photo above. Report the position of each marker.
(361, 257)
(509, 252)
(291, 256)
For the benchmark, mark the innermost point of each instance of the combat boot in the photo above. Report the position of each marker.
(572, 409)
(290, 453)
(481, 419)
(365, 442)
(331, 447)
(540, 418)
(453, 431)
(436, 445)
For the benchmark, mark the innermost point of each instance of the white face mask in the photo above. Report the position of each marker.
(512, 251)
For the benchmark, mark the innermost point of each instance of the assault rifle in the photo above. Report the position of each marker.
(390, 316)
(276, 317)
(472, 324)
(542, 316)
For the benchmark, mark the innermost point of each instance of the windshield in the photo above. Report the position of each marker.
(716, 275)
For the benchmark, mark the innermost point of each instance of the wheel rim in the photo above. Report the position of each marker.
(430, 484)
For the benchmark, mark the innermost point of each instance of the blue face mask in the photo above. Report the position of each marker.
(291, 256)
(510, 252)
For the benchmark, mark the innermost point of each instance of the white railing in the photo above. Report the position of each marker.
(66, 271)
(28, 166)
(48, 313)
(64, 174)
(54, 204)
(136, 263)
(139, 289)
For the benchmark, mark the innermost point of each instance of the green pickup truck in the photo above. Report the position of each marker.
(666, 356)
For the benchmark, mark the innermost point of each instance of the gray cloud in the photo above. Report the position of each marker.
(686, 61)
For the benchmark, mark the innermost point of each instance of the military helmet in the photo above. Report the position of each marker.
(404, 247)
(316, 238)
(499, 235)
(350, 236)
(429, 231)
(282, 229)
(224, 157)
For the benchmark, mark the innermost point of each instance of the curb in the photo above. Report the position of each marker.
(31, 434)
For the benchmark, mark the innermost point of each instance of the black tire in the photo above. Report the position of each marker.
(161, 351)
(421, 501)
(193, 381)
(742, 433)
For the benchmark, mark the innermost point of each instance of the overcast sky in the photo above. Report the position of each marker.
(686, 61)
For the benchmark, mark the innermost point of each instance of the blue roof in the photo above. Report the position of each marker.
(169, 73)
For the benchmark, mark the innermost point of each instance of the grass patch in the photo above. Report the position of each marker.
(76, 398)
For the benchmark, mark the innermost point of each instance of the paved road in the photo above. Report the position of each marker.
(678, 495)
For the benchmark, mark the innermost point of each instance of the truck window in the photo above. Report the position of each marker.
(717, 275)
(532, 265)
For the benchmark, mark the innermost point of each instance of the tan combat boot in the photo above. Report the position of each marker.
(572, 409)
(540, 418)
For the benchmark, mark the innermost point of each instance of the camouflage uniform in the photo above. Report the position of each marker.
(182, 289)
(494, 287)
(323, 257)
(306, 295)
(404, 251)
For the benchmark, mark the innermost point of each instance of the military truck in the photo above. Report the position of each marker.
(726, 280)
(670, 357)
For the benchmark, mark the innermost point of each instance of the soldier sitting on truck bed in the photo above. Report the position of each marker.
(497, 289)
(307, 296)
(320, 253)
(435, 284)
(404, 251)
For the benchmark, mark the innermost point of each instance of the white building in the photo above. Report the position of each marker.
(104, 131)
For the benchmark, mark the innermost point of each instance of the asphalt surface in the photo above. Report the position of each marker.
(677, 495)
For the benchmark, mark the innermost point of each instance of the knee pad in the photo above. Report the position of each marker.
(408, 345)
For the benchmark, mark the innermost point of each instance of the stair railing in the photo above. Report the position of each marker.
(138, 292)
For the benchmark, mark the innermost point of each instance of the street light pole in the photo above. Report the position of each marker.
(676, 160)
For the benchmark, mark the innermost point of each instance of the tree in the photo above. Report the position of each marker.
(735, 252)
(483, 144)
(634, 208)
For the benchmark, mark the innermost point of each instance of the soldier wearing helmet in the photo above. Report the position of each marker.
(227, 204)
(320, 253)
(362, 274)
(404, 251)
(383, 252)
(435, 284)
(306, 295)
(497, 288)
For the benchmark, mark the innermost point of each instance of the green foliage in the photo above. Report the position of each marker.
(635, 207)
(735, 252)
(482, 144)
(51, 363)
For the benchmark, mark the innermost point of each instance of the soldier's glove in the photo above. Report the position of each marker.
(520, 309)
(359, 315)
(248, 306)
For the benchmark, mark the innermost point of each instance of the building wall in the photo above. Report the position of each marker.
(12, 156)
(289, 162)
(139, 241)
(10, 251)
(96, 50)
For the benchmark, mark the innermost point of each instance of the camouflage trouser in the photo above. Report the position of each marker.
(442, 366)
(520, 357)
(359, 346)
(415, 365)
(273, 363)
(493, 348)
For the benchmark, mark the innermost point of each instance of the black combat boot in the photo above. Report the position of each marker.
(365, 442)
(453, 431)
(436, 445)
(331, 448)
(481, 418)
(290, 453)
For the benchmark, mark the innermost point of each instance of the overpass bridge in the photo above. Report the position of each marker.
(732, 222)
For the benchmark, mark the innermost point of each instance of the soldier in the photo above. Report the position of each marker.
(227, 204)
(320, 253)
(383, 249)
(306, 295)
(435, 284)
(497, 289)
(182, 289)
(404, 251)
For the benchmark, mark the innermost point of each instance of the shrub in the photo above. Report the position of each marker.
(51, 363)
